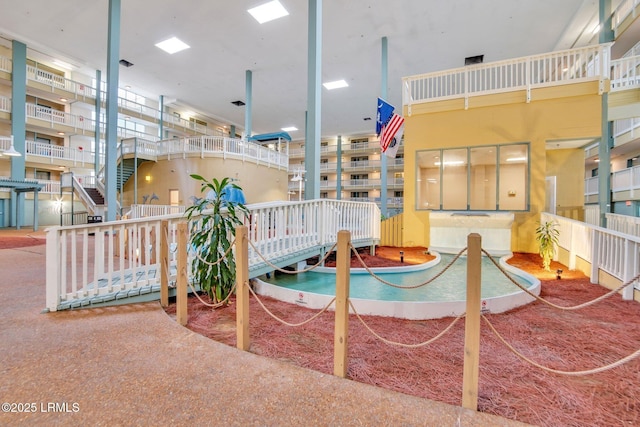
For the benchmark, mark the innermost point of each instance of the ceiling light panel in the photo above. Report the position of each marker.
(335, 85)
(290, 129)
(172, 45)
(268, 11)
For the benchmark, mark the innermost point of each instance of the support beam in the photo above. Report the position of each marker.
(339, 170)
(314, 102)
(383, 158)
(111, 139)
(97, 130)
(18, 126)
(606, 141)
(248, 102)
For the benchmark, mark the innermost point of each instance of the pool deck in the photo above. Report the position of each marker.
(134, 365)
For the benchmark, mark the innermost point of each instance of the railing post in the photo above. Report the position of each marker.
(164, 263)
(343, 263)
(629, 271)
(472, 323)
(181, 286)
(53, 269)
(243, 340)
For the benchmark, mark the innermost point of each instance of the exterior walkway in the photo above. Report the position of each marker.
(133, 365)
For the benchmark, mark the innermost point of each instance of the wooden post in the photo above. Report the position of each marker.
(343, 264)
(164, 263)
(472, 323)
(242, 288)
(181, 287)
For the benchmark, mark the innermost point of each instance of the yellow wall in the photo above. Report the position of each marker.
(572, 114)
(259, 183)
(568, 168)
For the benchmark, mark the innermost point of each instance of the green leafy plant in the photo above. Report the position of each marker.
(213, 220)
(547, 236)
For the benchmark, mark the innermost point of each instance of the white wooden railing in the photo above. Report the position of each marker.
(526, 73)
(122, 257)
(623, 223)
(625, 73)
(55, 81)
(610, 251)
(143, 211)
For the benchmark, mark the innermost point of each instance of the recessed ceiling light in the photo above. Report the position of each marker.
(63, 99)
(335, 85)
(172, 45)
(268, 11)
(290, 129)
(61, 133)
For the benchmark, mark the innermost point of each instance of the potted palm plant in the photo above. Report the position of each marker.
(213, 220)
(547, 236)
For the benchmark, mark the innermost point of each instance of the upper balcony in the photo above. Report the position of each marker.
(525, 75)
(44, 83)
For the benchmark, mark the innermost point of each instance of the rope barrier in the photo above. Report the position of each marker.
(560, 307)
(222, 258)
(304, 322)
(430, 341)
(556, 371)
(217, 304)
(275, 267)
(429, 281)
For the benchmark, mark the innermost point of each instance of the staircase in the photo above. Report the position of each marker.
(95, 195)
(124, 170)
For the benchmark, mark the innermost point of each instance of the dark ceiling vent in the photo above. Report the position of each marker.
(473, 60)
(237, 103)
(126, 63)
(366, 119)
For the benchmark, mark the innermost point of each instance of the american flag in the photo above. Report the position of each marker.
(390, 130)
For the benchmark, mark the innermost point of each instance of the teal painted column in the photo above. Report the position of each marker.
(339, 170)
(18, 126)
(314, 102)
(111, 156)
(383, 157)
(606, 142)
(249, 101)
(232, 131)
(161, 121)
(98, 108)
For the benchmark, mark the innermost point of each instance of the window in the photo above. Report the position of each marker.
(42, 175)
(483, 178)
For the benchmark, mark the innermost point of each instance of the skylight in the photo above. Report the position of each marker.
(335, 85)
(290, 129)
(268, 11)
(172, 45)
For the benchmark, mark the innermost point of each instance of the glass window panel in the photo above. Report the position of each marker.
(513, 181)
(428, 179)
(483, 178)
(454, 179)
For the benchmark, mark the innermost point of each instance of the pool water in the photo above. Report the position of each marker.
(451, 286)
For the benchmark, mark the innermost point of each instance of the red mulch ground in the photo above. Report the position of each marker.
(11, 242)
(564, 340)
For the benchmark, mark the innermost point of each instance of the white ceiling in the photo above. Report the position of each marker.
(423, 36)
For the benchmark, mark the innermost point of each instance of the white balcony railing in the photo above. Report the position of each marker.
(55, 81)
(625, 73)
(526, 73)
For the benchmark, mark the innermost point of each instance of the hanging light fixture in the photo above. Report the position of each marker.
(11, 152)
